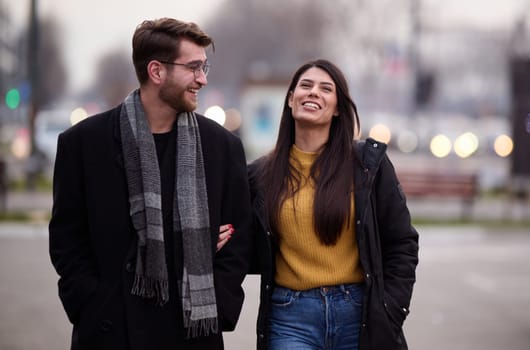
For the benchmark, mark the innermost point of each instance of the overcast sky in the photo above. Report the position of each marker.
(92, 27)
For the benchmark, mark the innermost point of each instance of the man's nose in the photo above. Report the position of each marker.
(200, 77)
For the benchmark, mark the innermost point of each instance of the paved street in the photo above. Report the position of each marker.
(472, 292)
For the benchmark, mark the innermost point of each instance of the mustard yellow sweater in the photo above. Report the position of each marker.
(303, 262)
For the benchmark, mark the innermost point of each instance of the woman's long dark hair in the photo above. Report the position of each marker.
(332, 171)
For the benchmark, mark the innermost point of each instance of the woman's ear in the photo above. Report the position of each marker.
(290, 100)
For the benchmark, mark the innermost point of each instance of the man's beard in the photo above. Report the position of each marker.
(176, 99)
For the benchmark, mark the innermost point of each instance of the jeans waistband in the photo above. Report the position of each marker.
(324, 290)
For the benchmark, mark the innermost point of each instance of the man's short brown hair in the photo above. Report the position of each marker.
(159, 39)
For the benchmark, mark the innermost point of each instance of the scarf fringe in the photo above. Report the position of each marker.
(202, 327)
(150, 288)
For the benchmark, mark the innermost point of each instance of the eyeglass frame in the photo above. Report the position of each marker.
(204, 67)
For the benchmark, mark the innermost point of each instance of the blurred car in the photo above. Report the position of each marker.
(48, 125)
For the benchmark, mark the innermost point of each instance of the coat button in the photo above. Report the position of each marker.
(375, 145)
(129, 267)
(367, 276)
(268, 233)
(106, 325)
(261, 335)
(267, 287)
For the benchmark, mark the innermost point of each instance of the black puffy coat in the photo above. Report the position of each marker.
(388, 249)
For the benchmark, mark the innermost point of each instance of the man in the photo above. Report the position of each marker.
(140, 192)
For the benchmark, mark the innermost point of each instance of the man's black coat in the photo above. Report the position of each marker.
(93, 243)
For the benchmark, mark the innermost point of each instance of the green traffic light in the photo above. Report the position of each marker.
(12, 98)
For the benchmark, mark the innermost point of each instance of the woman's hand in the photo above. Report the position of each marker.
(225, 233)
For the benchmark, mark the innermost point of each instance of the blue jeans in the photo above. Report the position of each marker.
(325, 318)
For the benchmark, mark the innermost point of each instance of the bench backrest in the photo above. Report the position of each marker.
(417, 184)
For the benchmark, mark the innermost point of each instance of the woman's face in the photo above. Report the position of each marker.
(313, 101)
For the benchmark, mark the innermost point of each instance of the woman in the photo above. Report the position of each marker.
(336, 248)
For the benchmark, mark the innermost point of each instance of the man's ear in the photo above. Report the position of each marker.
(156, 71)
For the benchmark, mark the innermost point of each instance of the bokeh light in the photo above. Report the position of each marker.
(407, 141)
(233, 119)
(77, 115)
(503, 145)
(466, 144)
(216, 114)
(20, 147)
(381, 133)
(12, 98)
(440, 146)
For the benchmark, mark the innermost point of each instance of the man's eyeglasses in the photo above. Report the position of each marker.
(196, 67)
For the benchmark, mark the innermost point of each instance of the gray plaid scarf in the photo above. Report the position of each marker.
(190, 216)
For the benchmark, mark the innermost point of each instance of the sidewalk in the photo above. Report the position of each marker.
(467, 278)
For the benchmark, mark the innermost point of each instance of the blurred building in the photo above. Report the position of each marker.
(415, 77)
(261, 104)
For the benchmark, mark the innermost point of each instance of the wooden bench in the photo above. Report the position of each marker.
(425, 183)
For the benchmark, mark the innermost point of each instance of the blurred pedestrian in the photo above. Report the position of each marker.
(3, 185)
(140, 193)
(336, 247)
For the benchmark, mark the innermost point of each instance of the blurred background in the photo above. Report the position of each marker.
(445, 84)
